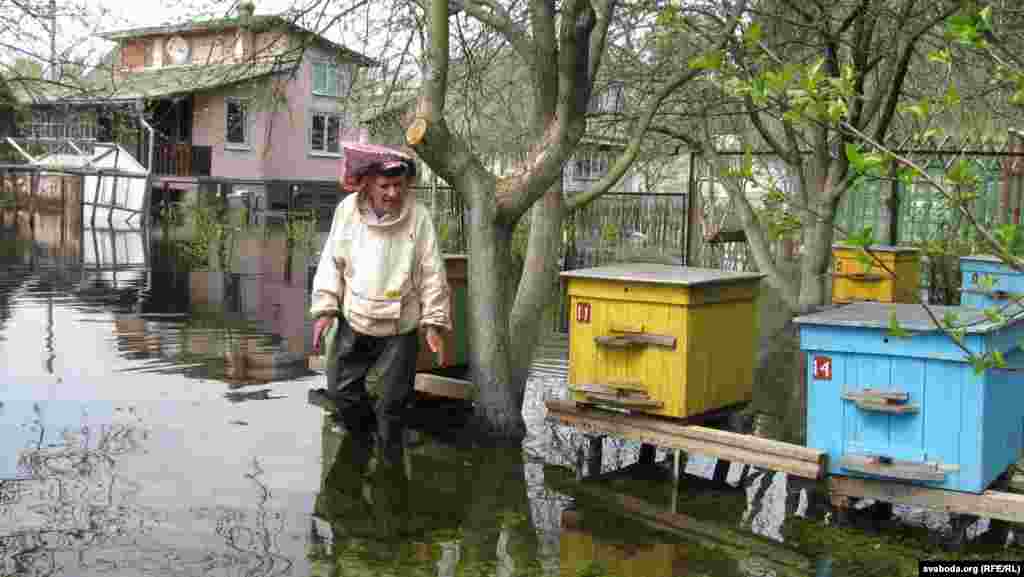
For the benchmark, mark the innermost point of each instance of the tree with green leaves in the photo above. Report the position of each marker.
(563, 47)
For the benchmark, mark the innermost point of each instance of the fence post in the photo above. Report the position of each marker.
(691, 246)
(889, 210)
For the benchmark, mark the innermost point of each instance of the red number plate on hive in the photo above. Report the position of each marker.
(823, 368)
(583, 312)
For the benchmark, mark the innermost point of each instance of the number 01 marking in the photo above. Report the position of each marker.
(583, 313)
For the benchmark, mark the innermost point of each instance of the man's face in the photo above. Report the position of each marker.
(385, 193)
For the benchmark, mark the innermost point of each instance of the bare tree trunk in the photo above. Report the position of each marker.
(817, 251)
(537, 285)
(496, 410)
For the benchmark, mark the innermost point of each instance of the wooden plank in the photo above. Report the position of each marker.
(991, 504)
(876, 396)
(443, 386)
(884, 407)
(699, 433)
(608, 389)
(636, 340)
(630, 427)
(626, 401)
(896, 469)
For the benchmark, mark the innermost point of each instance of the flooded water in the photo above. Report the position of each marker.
(155, 422)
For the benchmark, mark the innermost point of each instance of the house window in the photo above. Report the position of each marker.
(237, 133)
(325, 79)
(589, 165)
(610, 100)
(325, 133)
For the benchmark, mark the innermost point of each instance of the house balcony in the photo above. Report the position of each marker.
(182, 159)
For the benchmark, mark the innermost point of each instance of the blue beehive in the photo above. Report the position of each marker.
(974, 293)
(912, 408)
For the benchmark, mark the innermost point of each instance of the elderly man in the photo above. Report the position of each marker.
(381, 275)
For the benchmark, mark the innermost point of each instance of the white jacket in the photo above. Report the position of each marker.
(387, 274)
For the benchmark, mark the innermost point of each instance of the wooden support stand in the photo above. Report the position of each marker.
(991, 504)
(775, 455)
(964, 509)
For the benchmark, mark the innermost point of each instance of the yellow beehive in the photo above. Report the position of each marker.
(851, 282)
(667, 340)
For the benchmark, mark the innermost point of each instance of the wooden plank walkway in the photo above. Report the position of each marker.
(796, 460)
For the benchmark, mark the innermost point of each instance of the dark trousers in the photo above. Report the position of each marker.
(394, 362)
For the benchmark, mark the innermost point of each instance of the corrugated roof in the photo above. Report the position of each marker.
(258, 23)
(155, 83)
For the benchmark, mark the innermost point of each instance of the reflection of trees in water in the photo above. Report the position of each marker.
(251, 539)
(77, 515)
(74, 501)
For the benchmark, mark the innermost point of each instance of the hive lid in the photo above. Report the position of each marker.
(982, 258)
(880, 248)
(653, 273)
(911, 317)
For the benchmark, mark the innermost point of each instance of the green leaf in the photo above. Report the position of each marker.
(855, 157)
(709, 61)
(919, 109)
(986, 282)
(951, 318)
(837, 110)
(895, 330)
(748, 162)
(906, 175)
(961, 172)
(862, 239)
(985, 17)
(998, 359)
(752, 35)
(952, 96)
(980, 363)
(941, 56)
(994, 316)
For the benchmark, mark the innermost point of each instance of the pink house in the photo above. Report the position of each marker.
(253, 101)
(252, 97)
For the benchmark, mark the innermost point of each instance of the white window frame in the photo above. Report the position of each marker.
(333, 71)
(327, 115)
(246, 143)
(589, 165)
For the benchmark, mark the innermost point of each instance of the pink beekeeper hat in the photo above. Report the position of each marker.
(361, 159)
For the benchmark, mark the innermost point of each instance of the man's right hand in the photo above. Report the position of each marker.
(319, 328)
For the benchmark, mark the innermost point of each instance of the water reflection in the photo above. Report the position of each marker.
(73, 504)
(89, 317)
(455, 510)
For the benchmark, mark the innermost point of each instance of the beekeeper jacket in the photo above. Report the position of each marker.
(384, 274)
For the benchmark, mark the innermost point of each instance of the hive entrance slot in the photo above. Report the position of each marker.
(882, 401)
(624, 395)
(884, 466)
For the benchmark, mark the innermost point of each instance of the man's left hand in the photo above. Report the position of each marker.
(435, 340)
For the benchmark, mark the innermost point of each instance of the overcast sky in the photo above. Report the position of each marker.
(107, 15)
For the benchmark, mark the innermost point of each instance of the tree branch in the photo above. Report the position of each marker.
(754, 231)
(599, 37)
(499, 19)
(625, 160)
(892, 98)
(568, 124)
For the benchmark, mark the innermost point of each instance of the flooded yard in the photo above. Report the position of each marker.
(155, 422)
